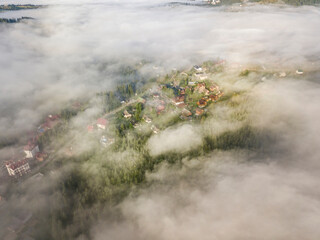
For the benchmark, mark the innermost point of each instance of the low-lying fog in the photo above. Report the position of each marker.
(72, 50)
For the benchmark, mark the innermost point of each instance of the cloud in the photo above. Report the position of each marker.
(74, 50)
(182, 139)
(239, 194)
(225, 201)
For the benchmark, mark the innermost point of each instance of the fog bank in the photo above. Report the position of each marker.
(73, 50)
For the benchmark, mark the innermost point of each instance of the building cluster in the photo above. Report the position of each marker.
(49, 123)
(20, 166)
(212, 94)
(156, 101)
(100, 125)
(209, 93)
(186, 102)
(213, 2)
(183, 95)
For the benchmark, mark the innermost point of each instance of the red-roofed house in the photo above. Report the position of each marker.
(102, 123)
(201, 88)
(126, 114)
(202, 103)
(178, 100)
(214, 88)
(40, 156)
(31, 149)
(90, 128)
(51, 121)
(181, 105)
(199, 111)
(160, 108)
(213, 97)
(18, 168)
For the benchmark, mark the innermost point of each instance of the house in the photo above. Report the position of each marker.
(147, 119)
(41, 129)
(40, 156)
(160, 108)
(213, 97)
(31, 149)
(103, 141)
(214, 88)
(106, 141)
(50, 122)
(201, 88)
(220, 94)
(192, 83)
(156, 95)
(202, 103)
(155, 129)
(299, 72)
(90, 128)
(178, 100)
(102, 123)
(181, 105)
(53, 117)
(197, 68)
(199, 111)
(214, 2)
(18, 168)
(126, 114)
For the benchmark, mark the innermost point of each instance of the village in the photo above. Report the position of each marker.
(171, 99)
(182, 96)
(185, 97)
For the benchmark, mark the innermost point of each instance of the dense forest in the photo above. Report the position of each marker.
(99, 190)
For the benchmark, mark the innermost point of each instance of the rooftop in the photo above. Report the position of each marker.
(15, 165)
(102, 121)
(30, 146)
